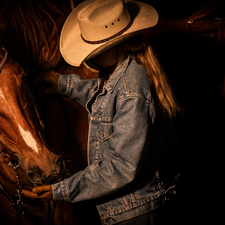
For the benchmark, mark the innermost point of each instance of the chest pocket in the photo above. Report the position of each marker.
(104, 131)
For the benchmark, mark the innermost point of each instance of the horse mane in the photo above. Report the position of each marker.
(33, 29)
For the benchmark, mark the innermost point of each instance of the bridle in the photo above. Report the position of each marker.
(4, 59)
(17, 201)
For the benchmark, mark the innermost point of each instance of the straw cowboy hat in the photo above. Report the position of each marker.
(97, 25)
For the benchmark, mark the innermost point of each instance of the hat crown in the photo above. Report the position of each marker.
(102, 19)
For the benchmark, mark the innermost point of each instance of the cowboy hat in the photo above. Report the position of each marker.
(97, 25)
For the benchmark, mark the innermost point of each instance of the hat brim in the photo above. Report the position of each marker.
(75, 50)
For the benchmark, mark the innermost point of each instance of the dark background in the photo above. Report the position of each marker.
(194, 62)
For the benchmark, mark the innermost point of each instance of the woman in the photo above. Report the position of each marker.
(129, 107)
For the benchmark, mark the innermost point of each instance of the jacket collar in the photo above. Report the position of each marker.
(117, 74)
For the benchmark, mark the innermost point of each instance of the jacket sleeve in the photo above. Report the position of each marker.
(121, 160)
(76, 87)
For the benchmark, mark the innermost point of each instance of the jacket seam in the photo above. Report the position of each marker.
(132, 95)
(125, 86)
(121, 75)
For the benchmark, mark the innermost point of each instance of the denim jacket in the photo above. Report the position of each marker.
(123, 153)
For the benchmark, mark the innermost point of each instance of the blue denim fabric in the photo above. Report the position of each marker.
(121, 174)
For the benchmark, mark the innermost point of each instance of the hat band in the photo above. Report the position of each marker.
(109, 38)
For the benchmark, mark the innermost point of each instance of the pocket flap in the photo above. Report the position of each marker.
(104, 131)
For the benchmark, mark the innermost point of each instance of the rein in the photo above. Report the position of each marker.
(18, 201)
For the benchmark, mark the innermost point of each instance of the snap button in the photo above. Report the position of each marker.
(97, 114)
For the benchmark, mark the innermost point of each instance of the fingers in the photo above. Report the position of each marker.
(42, 192)
(47, 195)
(42, 189)
(30, 194)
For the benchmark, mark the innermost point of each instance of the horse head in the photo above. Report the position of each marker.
(20, 132)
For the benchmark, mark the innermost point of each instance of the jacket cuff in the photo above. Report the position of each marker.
(62, 85)
(59, 191)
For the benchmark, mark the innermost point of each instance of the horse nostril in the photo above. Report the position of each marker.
(34, 175)
(60, 165)
(30, 176)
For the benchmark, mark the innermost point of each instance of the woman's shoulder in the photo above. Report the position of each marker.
(137, 78)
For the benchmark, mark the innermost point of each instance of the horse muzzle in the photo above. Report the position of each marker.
(46, 174)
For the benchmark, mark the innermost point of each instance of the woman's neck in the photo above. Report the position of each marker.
(111, 69)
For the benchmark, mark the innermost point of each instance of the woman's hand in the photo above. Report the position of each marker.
(51, 79)
(41, 192)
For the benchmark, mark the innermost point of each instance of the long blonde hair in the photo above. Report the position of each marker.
(139, 49)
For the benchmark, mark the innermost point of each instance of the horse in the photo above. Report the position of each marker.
(19, 134)
(42, 57)
(35, 46)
